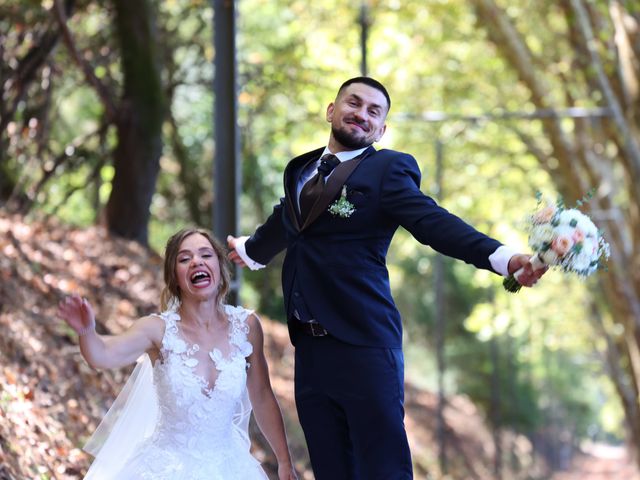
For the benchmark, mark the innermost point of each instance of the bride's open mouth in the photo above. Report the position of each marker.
(200, 279)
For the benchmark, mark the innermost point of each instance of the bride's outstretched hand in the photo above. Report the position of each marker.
(77, 312)
(287, 472)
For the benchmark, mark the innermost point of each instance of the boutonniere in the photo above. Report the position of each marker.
(342, 207)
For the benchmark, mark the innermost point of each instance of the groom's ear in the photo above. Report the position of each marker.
(330, 109)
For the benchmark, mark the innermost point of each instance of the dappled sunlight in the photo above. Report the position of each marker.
(496, 100)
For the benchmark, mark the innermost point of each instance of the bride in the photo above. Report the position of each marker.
(184, 411)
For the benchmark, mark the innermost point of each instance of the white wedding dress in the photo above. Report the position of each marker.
(170, 423)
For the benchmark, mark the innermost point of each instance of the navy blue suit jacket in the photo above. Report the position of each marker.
(338, 264)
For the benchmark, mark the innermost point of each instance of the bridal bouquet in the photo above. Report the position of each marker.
(565, 238)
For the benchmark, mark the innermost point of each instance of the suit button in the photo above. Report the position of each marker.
(296, 294)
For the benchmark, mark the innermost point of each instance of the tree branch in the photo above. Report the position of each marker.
(99, 87)
(629, 143)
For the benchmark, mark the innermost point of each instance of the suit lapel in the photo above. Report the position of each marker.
(333, 186)
(291, 175)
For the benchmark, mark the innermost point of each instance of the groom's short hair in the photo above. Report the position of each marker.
(372, 82)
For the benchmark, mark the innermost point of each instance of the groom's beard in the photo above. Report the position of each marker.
(350, 140)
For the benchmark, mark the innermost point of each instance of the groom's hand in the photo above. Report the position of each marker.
(233, 255)
(528, 277)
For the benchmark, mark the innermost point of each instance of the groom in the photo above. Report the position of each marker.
(336, 221)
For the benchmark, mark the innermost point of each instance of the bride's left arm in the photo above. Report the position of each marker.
(265, 405)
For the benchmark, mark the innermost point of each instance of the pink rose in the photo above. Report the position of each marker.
(561, 244)
(545, 215)
(578, 235)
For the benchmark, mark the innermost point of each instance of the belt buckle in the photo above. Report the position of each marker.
(317, 330)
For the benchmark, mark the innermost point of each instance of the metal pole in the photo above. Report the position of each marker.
(227, 177)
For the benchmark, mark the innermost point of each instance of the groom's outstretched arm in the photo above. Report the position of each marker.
(237, 253)
(432, 225)
(268, 240)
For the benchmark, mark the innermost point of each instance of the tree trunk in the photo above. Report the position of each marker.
(138, 121)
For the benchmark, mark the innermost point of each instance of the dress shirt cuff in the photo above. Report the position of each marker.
(242, 252)
(500, 259)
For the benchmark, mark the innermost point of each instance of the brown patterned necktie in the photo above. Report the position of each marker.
(312, 190)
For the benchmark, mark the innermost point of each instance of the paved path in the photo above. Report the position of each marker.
(601, 462)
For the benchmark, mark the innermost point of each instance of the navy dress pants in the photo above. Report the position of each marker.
(350, 404)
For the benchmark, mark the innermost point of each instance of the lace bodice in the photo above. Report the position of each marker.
(200, 429)
(194, 412)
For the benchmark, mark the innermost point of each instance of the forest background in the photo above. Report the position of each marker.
(106, 118)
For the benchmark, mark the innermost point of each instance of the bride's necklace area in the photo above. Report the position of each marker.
(195, 330)
(216, 327)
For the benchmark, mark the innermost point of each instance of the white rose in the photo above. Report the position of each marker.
(566, 216)
(590, 248)
(540, 234)
(581, 262)
(563, 230)
(586, 225)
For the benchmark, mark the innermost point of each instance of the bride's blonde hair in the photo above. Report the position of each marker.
(171, 289)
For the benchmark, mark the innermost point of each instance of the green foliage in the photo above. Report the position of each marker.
(512, 400)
